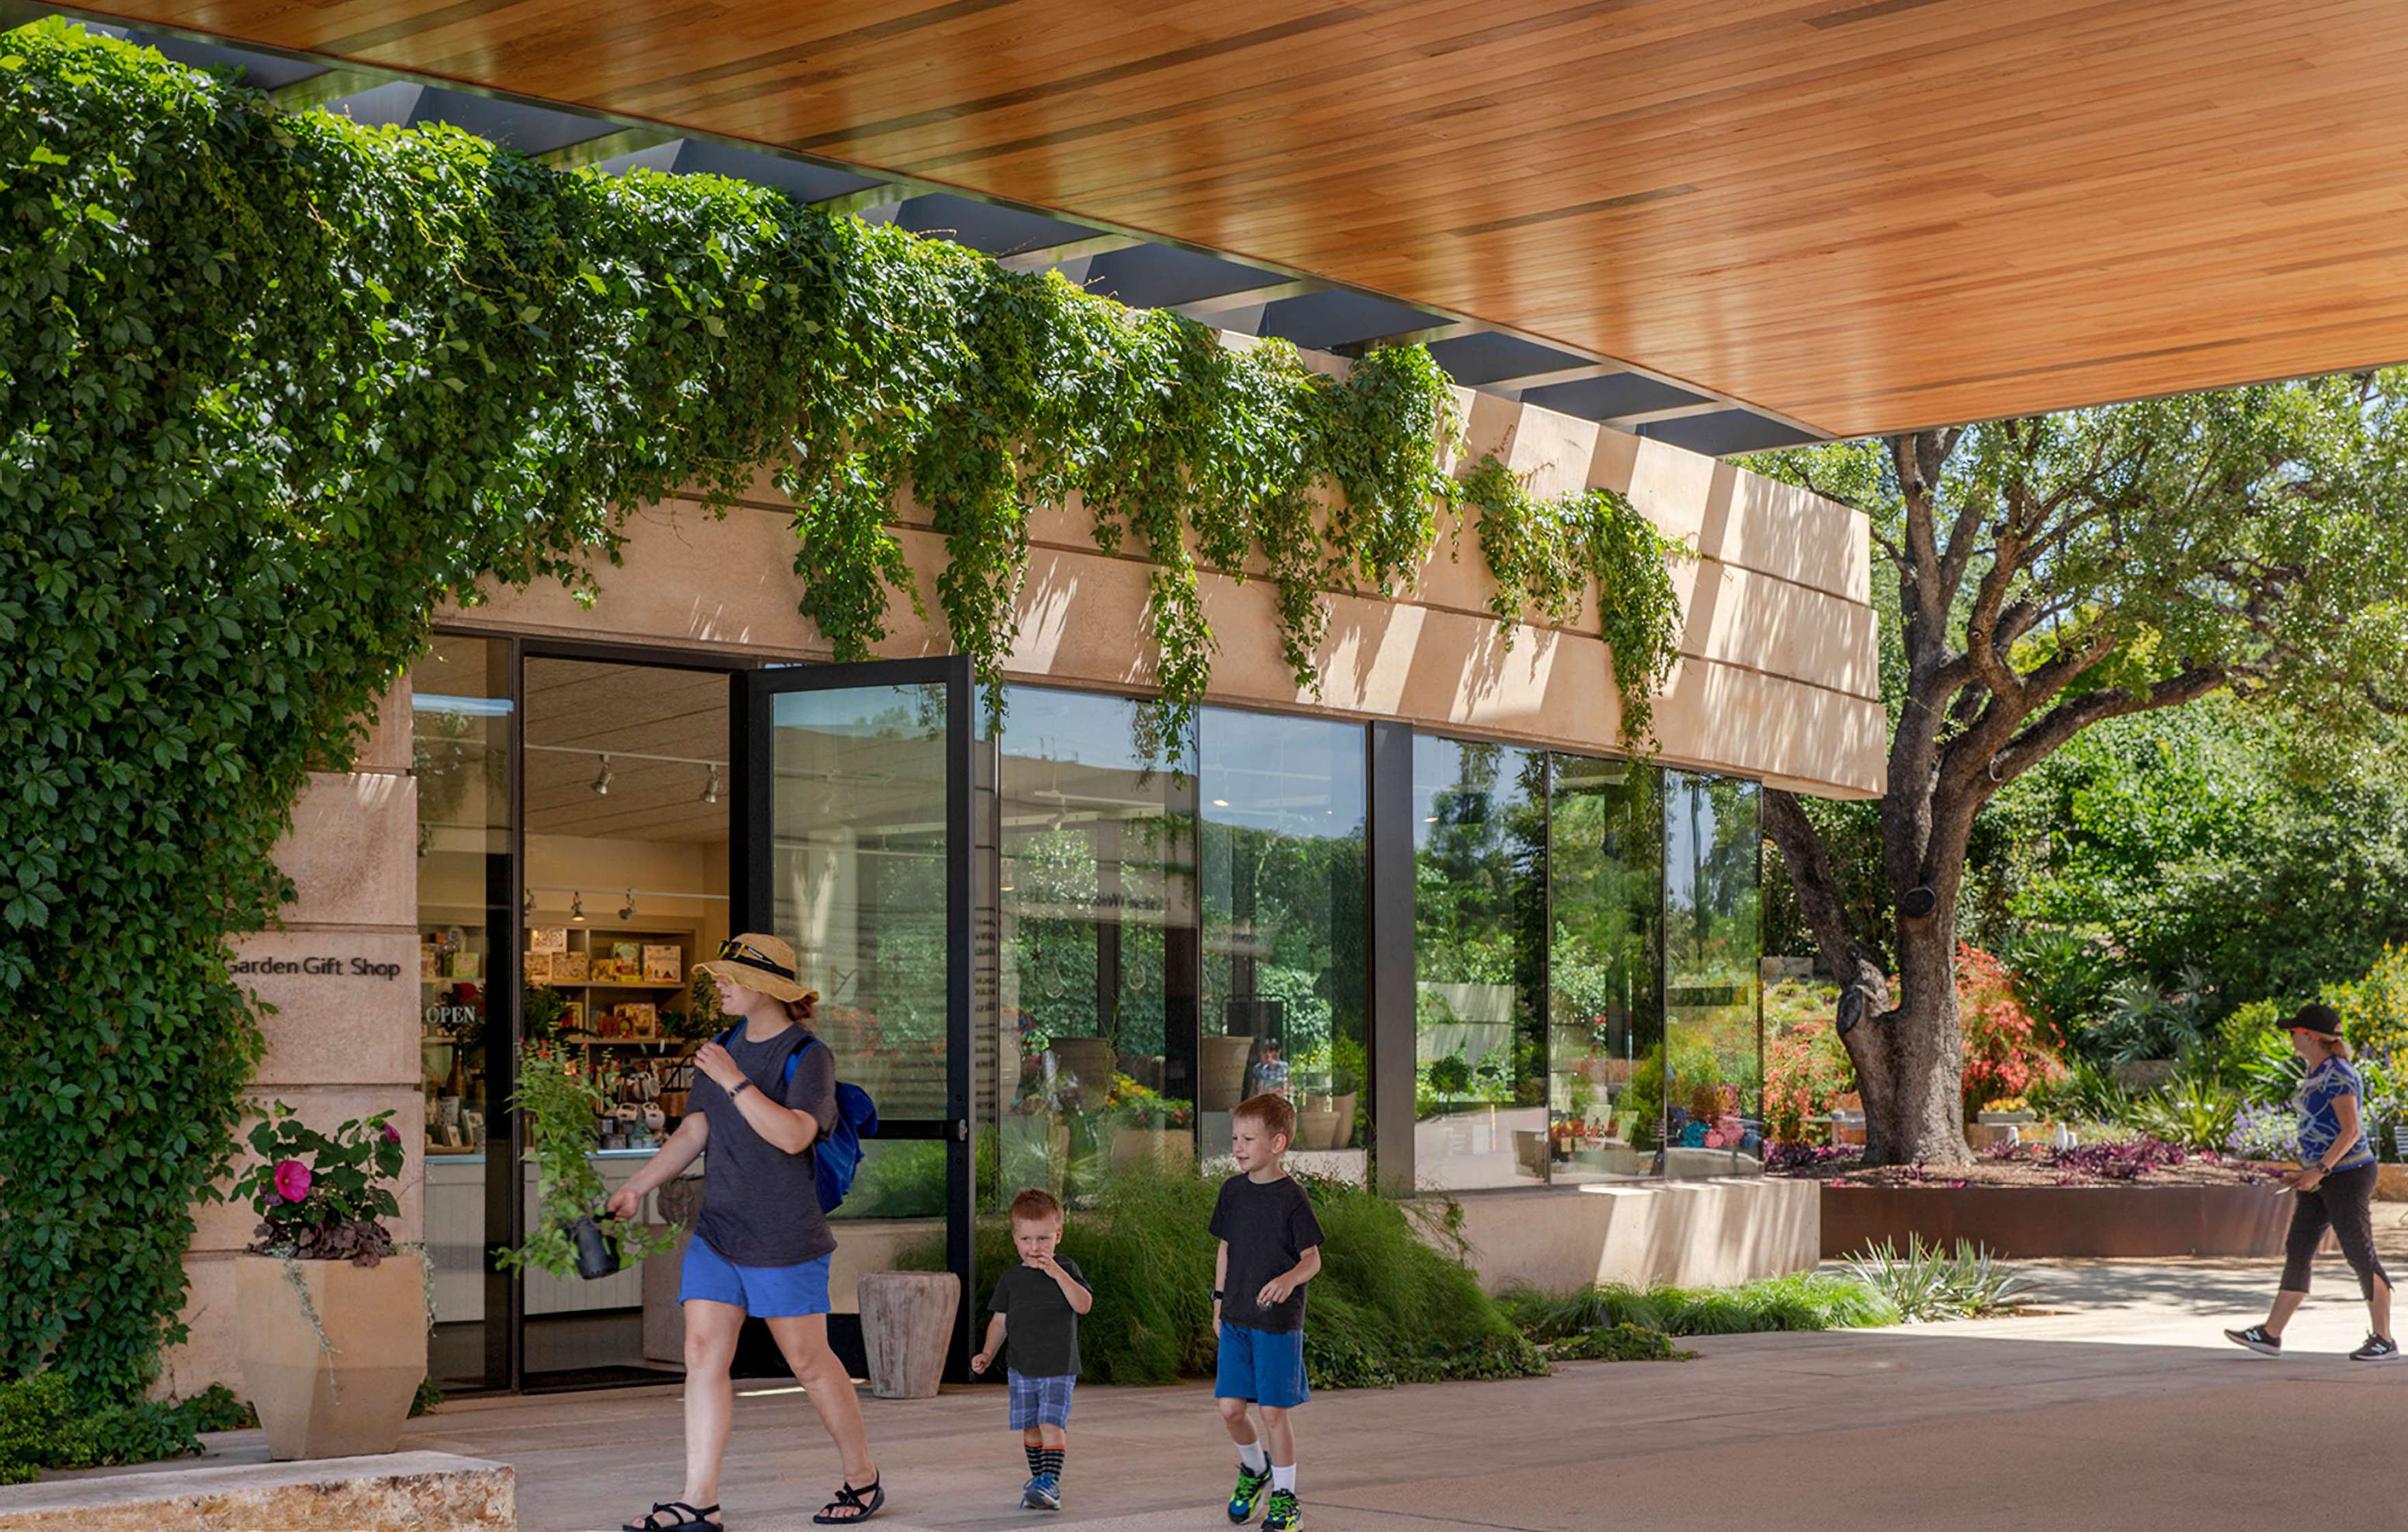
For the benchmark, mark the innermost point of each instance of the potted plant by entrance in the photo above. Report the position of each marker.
(1149, 1127)
(569, 1236)
(332, 1337)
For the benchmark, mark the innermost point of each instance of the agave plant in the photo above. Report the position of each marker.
(1925, 1284)
(2194, 1112)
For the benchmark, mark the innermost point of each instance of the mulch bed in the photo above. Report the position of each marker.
(2101, 1165)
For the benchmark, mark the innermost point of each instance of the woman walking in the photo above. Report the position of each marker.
(761, 1244)
(2334, 1185)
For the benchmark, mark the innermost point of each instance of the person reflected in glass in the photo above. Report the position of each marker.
(2334, 1187)
(762, 1095)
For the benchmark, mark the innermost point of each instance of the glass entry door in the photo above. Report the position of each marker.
(852, 844)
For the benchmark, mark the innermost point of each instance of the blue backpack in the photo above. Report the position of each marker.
(837, 1153)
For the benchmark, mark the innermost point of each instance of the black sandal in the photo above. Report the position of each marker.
(864, 1503)
(689, 1519)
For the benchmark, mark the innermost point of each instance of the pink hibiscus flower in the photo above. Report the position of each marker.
(291, 1180)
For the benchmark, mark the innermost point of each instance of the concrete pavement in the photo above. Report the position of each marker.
(2124, 1409)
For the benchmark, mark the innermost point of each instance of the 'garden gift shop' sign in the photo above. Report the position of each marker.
(336, 965)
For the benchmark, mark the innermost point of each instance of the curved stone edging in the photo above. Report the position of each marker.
(2060, 1221)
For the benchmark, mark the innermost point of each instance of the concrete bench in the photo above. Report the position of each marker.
(437, 1492)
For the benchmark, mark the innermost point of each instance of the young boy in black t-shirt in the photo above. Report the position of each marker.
(1039, 1301)
(1271, 1247)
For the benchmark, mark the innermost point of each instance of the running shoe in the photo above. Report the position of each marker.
(1284, 1514)
(2256, 1340)
(2377, 1350)
(1248, 1494)
(1039, 1494)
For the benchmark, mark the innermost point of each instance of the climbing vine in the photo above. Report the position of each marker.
(273, 387)
(1543, 553)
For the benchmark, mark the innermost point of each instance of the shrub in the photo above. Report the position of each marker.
(1807, 1301)
(2061, 978)
(2004, 1054)
(2086, 1092)
(2264, 1133)
(44, 1423)
(1617, 1343)
(1394, 1303)
(2142, 1022)
(2193, 1112)
(1806, 1066)
(1922, 1284)
(2375, 1010)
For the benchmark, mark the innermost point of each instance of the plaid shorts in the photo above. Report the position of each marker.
(1040, 1401)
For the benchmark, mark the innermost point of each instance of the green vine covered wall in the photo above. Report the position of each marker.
(273, 387)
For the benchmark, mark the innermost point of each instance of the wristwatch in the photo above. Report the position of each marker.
(1217, 1295)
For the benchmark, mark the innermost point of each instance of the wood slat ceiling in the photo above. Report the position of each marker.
(1861, 214)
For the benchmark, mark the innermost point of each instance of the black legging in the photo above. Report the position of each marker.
(2341, 1202)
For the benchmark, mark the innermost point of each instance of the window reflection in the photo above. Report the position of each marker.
(1283, 810)
(1712, 1074)
(1605, 1014)
(1094, 1020)
(1480, 904)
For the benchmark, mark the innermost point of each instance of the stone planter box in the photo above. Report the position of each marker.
(1171, 1148)
(2052, 1221)
(345, 1395)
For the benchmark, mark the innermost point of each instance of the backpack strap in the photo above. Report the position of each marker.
(785, 1081)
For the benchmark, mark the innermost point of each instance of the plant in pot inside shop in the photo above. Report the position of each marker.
(332, 1336)
(570, 1237)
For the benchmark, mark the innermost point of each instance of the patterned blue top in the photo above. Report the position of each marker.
(2320, 1123)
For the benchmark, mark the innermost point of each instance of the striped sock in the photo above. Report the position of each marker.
(1035, 1458)
(1049, 1461)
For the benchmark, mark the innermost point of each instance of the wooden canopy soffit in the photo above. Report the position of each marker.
(1861, 215)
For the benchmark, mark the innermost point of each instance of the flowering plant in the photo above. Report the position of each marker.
(321, 1197)
(1139, 1106)
(2264, 1133)
(2004, 1053)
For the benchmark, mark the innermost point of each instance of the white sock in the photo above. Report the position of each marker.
(1251, 1454)
(1284, 1478)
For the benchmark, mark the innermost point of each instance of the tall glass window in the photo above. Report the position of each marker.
(460, 731)
(1094, 1018)
(1480, 978)
(1605, 1010)
(1714, 1064)
(1283, 810)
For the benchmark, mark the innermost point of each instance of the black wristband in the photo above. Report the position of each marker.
(741, 1086)
(1217, 1295)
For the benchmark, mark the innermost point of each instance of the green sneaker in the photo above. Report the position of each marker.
(1249, 1491)
(1284, 1514)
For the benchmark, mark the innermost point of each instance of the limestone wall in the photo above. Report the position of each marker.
(339, 1044)
(1777, 677)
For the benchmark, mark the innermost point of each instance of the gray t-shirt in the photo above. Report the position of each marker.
(1041, 1334)
(760, 1204)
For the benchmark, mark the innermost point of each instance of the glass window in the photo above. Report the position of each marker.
(1606, 1018)
(1480, 982)
(1714, 1069)
(1093, 1021)
(461, 725)
(1282, 814)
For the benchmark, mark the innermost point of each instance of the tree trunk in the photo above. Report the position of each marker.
(1909, 1060)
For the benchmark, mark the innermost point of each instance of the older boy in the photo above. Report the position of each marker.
(1271, 1247)
(1040, 1302)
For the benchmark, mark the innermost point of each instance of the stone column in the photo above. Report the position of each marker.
(342, 1043)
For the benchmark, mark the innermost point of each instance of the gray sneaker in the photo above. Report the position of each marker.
(2256, 1340)
(2376, 1349)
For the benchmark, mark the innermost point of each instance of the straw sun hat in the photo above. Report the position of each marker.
(759, 963)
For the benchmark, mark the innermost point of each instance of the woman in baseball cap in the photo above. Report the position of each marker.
(2334, 1187)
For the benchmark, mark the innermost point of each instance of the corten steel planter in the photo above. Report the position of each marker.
(2048, 1220)
(347, 1395)
(1170, 1148)
(907, 1325)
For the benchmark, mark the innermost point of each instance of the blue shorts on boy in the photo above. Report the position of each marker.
(763, 1292)
(1040, 1401)
(1266, 1367)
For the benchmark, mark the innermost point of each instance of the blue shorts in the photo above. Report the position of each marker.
(1040, 1401)
(764, 1292)
(1264, 1366)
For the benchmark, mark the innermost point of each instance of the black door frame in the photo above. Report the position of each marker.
(752, 702)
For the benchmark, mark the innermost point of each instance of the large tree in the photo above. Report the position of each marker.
(2056, 571)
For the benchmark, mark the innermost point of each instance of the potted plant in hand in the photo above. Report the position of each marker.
(332, 1336)
(569, 1236)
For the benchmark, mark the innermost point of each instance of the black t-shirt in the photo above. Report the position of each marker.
(760, 1204)
(1268, 1226)
(1042, 1337)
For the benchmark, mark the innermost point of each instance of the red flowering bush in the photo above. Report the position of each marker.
(2004, 1054)
(1806, 1066)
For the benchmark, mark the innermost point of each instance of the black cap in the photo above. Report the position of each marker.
(2316, 1017)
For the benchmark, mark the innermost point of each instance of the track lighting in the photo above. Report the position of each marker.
(527, 905)
(602, 783)
(627, 911)
(710, 786)
(576, 909)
